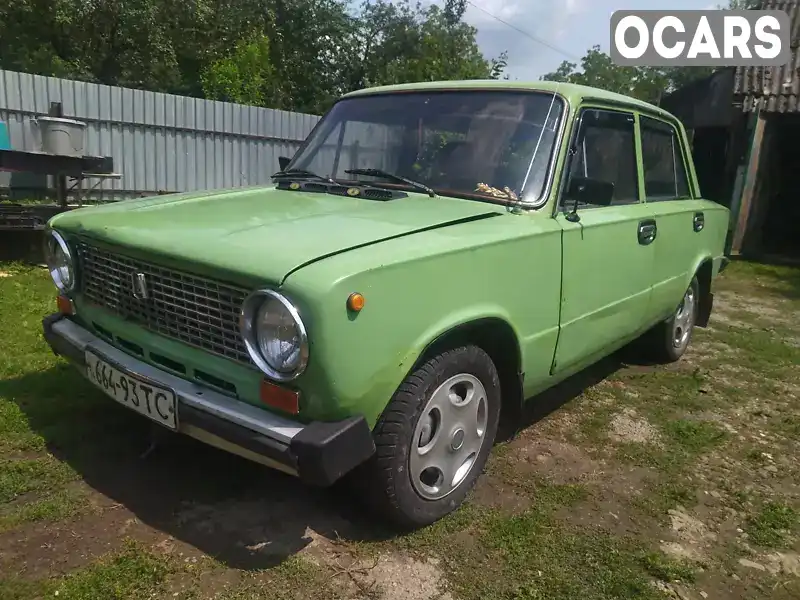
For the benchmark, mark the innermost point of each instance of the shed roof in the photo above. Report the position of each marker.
(773, 89)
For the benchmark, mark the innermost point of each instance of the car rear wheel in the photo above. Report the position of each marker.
(434, 437)
(668, 341)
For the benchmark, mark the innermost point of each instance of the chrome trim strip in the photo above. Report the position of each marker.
(62, 243)
(202, 398)
(213, 440)
(552, 166)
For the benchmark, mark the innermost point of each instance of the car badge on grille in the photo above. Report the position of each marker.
(139, 286)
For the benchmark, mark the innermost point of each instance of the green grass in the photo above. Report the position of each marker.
(533, 556)
(54, 506)
(694, 437)
(663, 495)
(683, 442)
(756, 279)
(133, 573)
(665, 569)
(766, 352)
(536, 555)
(43, 404)
(773, 526)
(25, 476)
(294, 579)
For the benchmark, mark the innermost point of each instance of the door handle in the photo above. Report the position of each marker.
(699, 221)
(647, 231)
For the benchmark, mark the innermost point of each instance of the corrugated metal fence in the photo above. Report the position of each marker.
(159, 142)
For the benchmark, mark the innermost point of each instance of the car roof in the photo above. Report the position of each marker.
(574, 93)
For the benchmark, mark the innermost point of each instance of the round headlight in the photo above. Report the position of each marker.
(274, 335)
(59, 262)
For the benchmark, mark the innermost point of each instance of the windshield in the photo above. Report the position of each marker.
(474, 144)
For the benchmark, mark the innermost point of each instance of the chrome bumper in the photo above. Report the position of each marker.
(319, 452)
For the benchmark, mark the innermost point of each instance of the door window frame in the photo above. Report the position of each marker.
(682, 147)
(576, 125)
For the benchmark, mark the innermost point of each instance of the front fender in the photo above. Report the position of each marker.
(415, 294)
(359, 361)
(470, 315)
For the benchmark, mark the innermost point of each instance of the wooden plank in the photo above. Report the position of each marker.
(751, 179)
(49, 164)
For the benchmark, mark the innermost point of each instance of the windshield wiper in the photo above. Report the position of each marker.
(387, 175)
(300, 173)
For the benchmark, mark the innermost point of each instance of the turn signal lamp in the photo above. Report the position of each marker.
(355, 302)
(65, 305)
(279, 397)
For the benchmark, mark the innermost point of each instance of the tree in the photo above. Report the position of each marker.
(646, 83)
(498, 66)
(395, 42)
(599, 71)
(289, 54)
(245, 76)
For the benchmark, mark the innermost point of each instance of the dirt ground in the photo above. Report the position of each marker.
(627, 481)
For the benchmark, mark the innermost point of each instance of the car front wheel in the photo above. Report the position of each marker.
(434, 437)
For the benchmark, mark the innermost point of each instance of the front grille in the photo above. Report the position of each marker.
(194, 310)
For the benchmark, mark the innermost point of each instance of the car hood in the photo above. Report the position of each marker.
(263, 233)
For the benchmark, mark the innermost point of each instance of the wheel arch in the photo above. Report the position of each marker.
(496, 337)
(705, 274)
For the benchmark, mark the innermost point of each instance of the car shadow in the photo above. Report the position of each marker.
(244, 515)
(538, 408)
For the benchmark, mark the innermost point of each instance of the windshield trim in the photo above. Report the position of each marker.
(555, 151)
(552, 162)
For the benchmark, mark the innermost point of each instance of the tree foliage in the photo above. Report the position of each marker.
(245, 76)
(289, 54)
(646, 83)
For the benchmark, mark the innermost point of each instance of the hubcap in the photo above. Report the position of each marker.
(684, 316)
(449, 436)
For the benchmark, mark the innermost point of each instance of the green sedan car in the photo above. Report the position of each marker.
(433, 255)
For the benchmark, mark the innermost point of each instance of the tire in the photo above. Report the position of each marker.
(407, 484)
(667, 342)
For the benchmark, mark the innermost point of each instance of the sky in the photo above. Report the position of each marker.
(572, 26)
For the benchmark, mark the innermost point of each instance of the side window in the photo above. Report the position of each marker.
(664, 168)
(602, 169)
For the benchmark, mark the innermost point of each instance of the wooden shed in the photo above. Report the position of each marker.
(768, 217)
(745, 127)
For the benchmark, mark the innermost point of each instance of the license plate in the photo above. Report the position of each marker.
(152, 401)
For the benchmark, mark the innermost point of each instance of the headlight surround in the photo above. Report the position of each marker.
(60, 262)
(274, 335)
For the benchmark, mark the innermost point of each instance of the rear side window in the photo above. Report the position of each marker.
(665, 176)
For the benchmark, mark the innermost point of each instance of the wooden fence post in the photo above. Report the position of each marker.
(751, 179)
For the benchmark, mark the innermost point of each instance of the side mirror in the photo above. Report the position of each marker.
(283, 162)
(585, 190)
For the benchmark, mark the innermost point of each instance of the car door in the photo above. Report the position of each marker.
(607, 242)
(679, 216)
